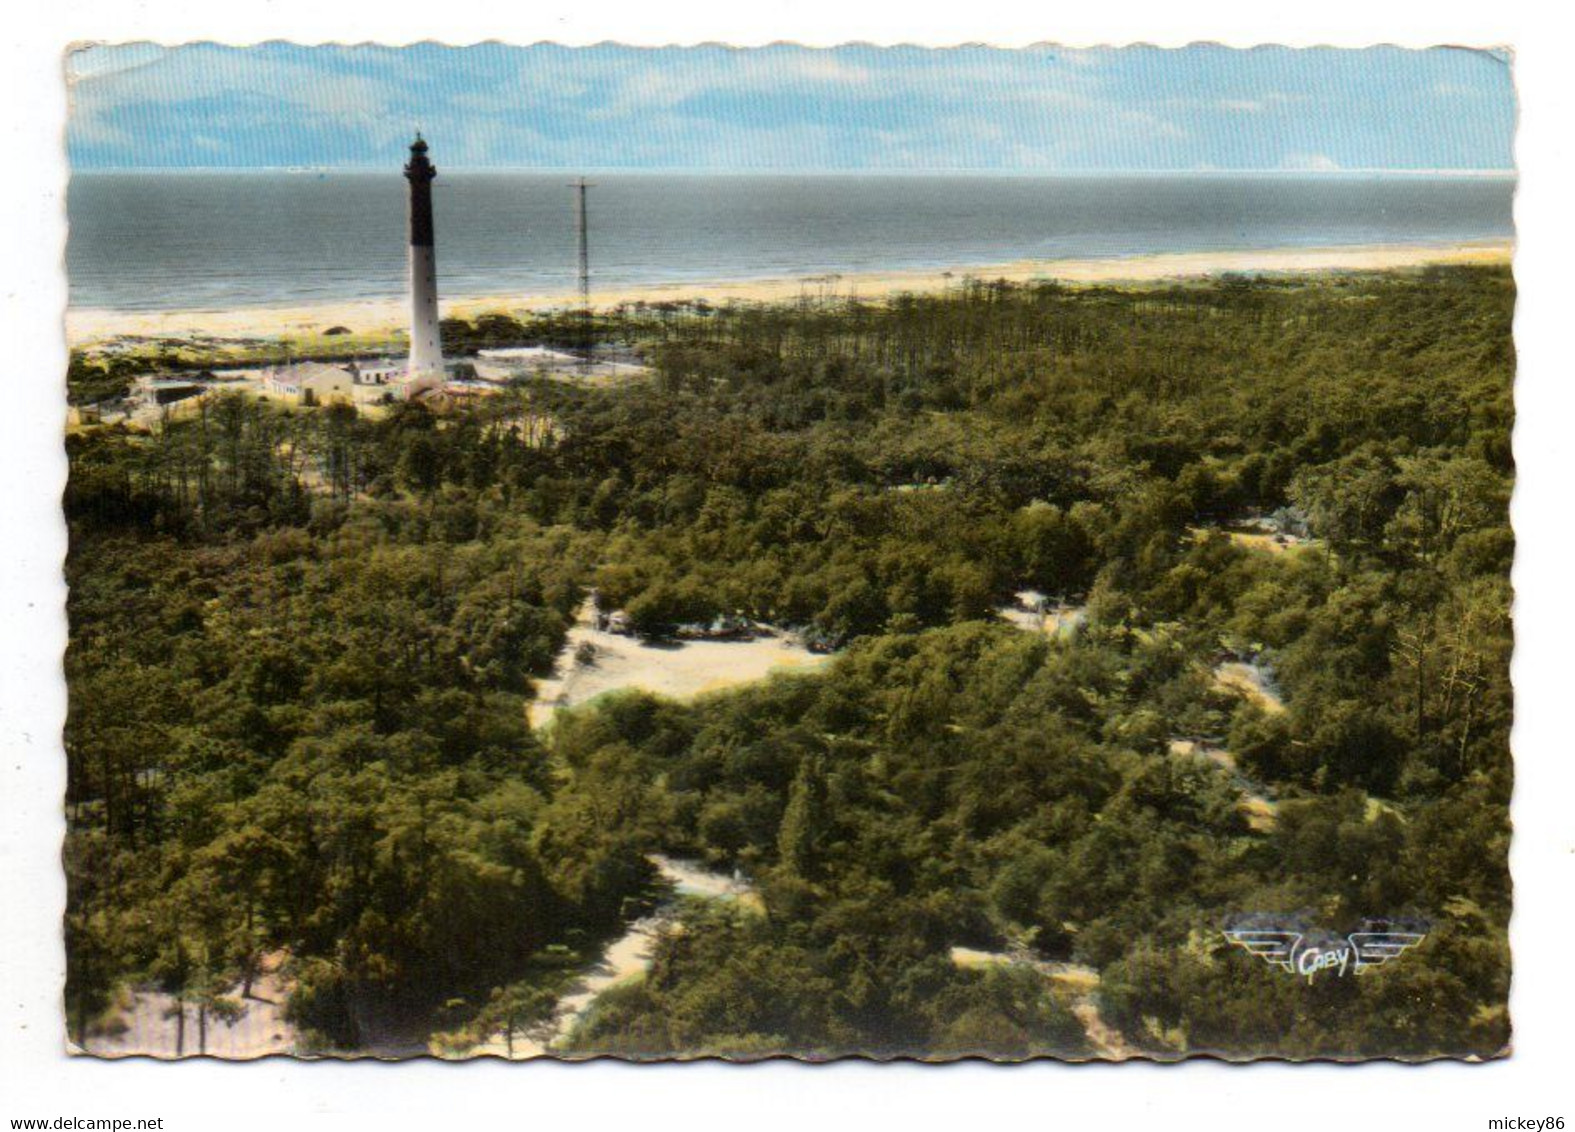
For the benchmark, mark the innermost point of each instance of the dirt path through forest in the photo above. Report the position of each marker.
(1081, 985)
(627, 957)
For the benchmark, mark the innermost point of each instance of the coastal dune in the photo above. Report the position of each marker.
(88, 326)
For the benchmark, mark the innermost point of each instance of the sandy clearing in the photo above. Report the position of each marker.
(1262, 814)
(691, 878)
(1269, 544)
(1263, 541)
(972, 958)
(1029, 620)
(85, 325)
(680, 670)
(1034, 613)
(1251, 681)
(1216, 755)
(152, 1026)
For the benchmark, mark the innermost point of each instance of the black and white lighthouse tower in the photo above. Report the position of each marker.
(426, 345)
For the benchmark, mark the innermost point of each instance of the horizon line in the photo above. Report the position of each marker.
(1205, 171)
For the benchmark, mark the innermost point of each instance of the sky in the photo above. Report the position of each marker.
(1045, 109)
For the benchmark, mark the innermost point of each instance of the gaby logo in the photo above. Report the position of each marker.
(1288, 943)
(1311, 960)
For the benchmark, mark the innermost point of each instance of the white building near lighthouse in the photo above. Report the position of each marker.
(426, 342)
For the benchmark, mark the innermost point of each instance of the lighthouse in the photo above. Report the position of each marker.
(426, 345)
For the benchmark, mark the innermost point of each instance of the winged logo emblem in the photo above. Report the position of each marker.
(1289, 943)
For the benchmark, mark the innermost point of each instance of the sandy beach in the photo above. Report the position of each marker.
(382, 317)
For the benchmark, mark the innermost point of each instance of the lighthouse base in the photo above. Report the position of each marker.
(426, 343)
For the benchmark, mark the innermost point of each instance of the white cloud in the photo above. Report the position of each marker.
(1081, 56)
(1311, 162)
(104, 59)
(205, 71)
(843, 107)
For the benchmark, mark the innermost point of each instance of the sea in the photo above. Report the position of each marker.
(221, 240)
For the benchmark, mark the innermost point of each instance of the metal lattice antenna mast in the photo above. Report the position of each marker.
(586, 343)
